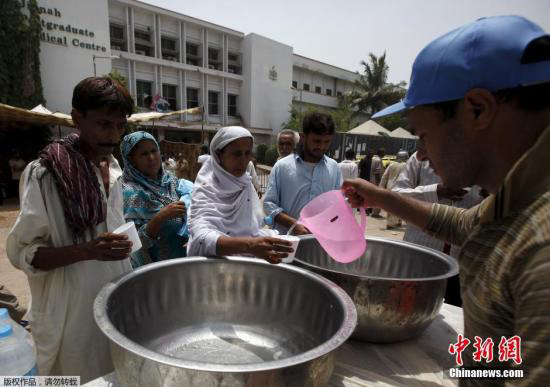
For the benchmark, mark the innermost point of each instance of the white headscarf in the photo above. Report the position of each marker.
(222, 204)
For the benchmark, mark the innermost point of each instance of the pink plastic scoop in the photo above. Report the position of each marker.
(331, 221)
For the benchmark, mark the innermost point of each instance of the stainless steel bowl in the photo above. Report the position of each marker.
(223, 322)
(397, 287)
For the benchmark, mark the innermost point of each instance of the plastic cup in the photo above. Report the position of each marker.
(294, 240)
(129, 229)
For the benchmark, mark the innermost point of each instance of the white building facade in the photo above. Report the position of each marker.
(239, 79)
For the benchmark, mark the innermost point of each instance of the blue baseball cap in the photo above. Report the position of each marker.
(484, 54)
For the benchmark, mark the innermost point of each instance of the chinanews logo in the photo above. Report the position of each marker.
(509, 353)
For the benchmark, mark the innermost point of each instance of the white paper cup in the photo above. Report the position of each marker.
(295, 240)
(129, 229)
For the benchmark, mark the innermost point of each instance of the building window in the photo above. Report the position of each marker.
(233, 69)
(192, 98)
(143, 50)
(168, 46)
(232, 105)
(169, 93)
(318, 89)
(214, 60)
(305, 86)
(213, 105)
(338, 93)
(192, 54)
(294, 84)
(234, 63)
(144, 93)
(142, 35)
(116, 33)
(329, 92)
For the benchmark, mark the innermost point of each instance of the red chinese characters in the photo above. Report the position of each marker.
(458, 348)
(510, 349)
(484, 349)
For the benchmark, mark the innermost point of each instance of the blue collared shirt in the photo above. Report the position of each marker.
(292, 185)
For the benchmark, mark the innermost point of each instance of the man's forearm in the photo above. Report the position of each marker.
(285, 219)
(409, 209)
(49, 258)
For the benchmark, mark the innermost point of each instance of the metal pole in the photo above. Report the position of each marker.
(95, 73)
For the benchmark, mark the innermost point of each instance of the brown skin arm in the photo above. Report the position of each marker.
(288, 221)
(108, 247)
(268, 248)
(172, 210)
(362, 193)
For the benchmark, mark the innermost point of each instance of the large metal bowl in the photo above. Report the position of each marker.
(223, 322)
(397, 287)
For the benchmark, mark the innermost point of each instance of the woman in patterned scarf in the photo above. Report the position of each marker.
(154, 200)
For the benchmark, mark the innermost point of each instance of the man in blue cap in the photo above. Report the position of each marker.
(479, 100)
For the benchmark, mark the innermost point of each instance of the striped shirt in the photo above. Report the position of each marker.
(505, 265)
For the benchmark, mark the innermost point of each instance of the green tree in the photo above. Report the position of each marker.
(297, 114)
(271, 155)
(114, 74)
(343, 116)
(372, 92)
(260, 153)
(20, 80)
(393, 121)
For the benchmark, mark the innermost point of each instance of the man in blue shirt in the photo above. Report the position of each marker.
(300, 177)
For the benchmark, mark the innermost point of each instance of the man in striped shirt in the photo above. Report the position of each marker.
(479, 99)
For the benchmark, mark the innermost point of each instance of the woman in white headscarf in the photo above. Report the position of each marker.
(225, 216)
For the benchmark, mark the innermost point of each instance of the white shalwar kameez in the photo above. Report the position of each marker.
(67, 338)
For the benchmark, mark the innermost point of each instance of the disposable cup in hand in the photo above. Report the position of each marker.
(129, 229)
(295, 240)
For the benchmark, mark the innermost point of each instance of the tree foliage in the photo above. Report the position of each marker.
(20, 80)
(115, 75)
(344, 116)
(261, 149)
(372, 92)
(271, 155)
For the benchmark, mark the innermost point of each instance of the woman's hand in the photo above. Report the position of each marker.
(269, 248)
(172, 210)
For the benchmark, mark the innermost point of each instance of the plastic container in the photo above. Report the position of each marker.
(18, 330)
(17, 358)
(295, 241)
(130, 230)
(331, 220)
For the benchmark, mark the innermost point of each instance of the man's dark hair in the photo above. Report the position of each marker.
(381, 152)
(318, 123)
(350, 154)
(529, 98)
(97, 92)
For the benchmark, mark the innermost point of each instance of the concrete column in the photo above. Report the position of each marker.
(223, 102)
(130, 29)
(159, 80)
(204, 93)
(205, 48)
(224, 52)
(181, 94)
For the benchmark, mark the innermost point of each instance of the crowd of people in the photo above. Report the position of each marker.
(474, 189)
